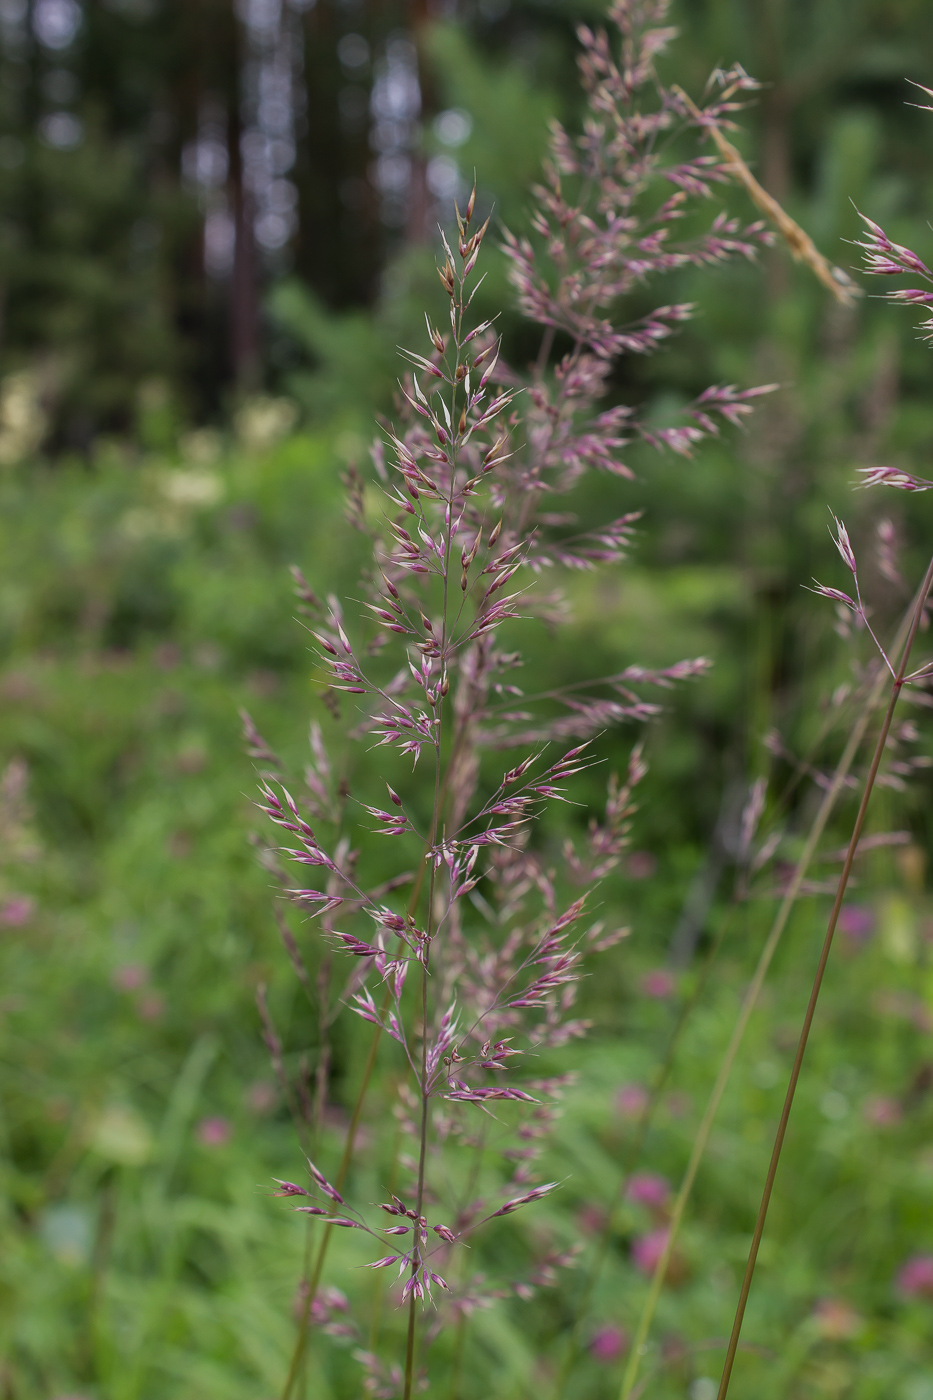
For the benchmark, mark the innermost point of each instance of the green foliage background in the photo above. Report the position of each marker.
(145, 597)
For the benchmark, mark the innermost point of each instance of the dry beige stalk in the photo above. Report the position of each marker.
(799, 243)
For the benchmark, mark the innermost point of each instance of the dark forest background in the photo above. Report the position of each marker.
(189, 192)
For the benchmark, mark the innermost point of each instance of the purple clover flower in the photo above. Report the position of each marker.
(607, 1344)
(648, 1189)
(647, 1250)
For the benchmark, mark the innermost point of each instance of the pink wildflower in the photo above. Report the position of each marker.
(632, 1100)
(607, 1344)
(836, 1320)
(130, 977)
(915, 1277)
(17, 910)
(647, 1250)
(882, 1111)
(857, 923)
(658, 984)
(649, 1189)
(214, 1132)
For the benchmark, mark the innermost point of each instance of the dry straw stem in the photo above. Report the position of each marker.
(799, 243)
(896, 687)
(700, 1142)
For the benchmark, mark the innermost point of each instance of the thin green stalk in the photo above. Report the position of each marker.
(422, 1157)
(634, 1153)
(664, 1363)
(349, 1148)
(425, 1094)
(347, 1157)
(647, 1114)
(345, 1160)
(896, 687)
(429, 923)
(749, 1002)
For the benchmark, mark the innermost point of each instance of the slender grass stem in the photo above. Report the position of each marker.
(425, 1094)
(646, 1117)
(896, 687)
(701, 1140)
(425, 1104)
(347, 1157)
(345, 1160)
(439, 794)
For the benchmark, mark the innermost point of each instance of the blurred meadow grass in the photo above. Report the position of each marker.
(143, 603)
